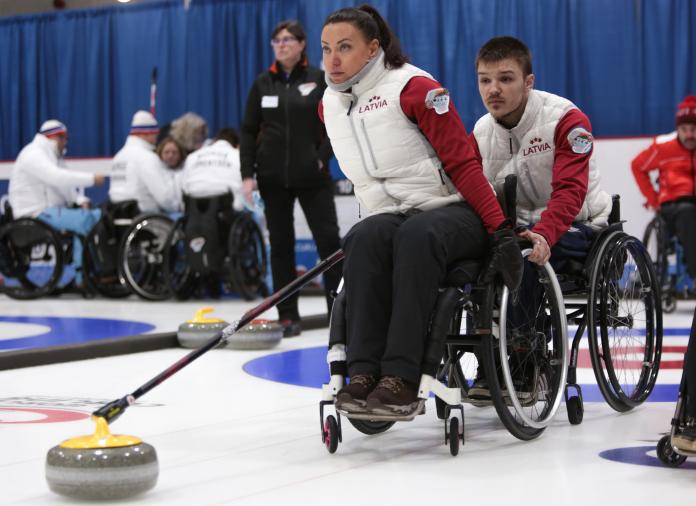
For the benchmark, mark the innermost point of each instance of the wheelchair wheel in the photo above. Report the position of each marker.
(666, 453)
(624, 316)
(141, 257)
(656, 242)
(177, 270)
(248, 260)
(370, 427)
(526, 357)
(101, 273)
(31, 258)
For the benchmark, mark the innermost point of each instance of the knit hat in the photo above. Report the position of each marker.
(53, 127)
(144, 123)
(686, 111)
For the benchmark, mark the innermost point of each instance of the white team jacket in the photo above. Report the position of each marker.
(391, 164)
(527, 150)
(213, 170)
(138, 173)
(38, 181)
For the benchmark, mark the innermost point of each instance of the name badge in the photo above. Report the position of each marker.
(306, 88)
(269, 101)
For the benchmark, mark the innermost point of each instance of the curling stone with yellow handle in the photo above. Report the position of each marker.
(194, 333)
(101, 466)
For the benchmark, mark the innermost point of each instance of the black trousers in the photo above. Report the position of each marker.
(680, 217)
(320, 211)
(393, 267)
(690, 371)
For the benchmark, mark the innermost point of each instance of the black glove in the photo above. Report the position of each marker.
(506, 258)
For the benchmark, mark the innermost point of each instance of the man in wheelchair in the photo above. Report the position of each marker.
(673, 156)
(211, 188)
(138, 173)
(41, 187)
(546, 142)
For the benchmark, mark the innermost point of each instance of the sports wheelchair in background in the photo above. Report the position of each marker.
(668, 261)
(614, 295)
(213, 247)
(522, 348)
(141, 256)
(34, 258)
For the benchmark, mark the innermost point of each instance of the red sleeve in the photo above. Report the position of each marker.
(571, 172)
(448, 137)
(641, 166)
(320, 110)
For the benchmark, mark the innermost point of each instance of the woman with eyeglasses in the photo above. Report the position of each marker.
(284, 150)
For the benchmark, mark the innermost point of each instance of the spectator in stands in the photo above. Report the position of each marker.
(137, 173)
(285, 150)
(41, 187)
(673, 156)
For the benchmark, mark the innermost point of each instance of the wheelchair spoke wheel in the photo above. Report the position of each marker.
(142, 257)
(657, 245)
(248, 259)
(526, 357)
(100, 267)
(178, 272)
(625, 322)
(31, 258)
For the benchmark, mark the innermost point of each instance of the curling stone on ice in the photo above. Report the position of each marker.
(257, 335)
(194, 333)
(101, 466)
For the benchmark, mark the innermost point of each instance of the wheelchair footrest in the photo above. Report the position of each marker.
(387, 418)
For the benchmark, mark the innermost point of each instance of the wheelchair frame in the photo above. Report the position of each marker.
(671, 276)
(598, 283)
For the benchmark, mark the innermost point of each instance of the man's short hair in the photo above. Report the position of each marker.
(228, 134)
(502, 48)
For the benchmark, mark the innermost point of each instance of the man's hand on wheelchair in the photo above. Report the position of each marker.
(506, 258)
(540, 248)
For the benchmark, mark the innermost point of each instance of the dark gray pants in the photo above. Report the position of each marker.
(393, 267)
(680, 217)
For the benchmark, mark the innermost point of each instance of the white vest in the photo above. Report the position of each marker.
(391, 164)
(527, 150)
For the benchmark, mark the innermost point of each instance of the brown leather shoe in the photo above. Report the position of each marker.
(352, 398)
(393, 396)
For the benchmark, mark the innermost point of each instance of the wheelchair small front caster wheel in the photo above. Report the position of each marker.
(666, 453)
(575, 410)
(330, 434)
(454, 436)
(669, 304)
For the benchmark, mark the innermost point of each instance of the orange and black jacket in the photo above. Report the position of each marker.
(282, 137)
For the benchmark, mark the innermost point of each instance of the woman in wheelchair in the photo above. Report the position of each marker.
(398, 138)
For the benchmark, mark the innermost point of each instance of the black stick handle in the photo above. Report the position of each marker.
(112, 410)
